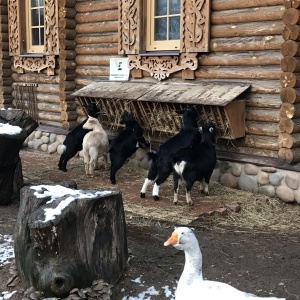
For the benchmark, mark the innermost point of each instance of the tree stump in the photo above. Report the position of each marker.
(11, 178)
(67, 241)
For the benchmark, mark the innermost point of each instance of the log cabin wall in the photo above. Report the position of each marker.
(55, 79)
(5, 64)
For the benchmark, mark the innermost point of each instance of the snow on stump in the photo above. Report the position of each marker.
(66, 239)
(15, 126)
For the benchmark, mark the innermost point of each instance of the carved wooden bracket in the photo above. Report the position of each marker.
(34, 64)
(160, 67)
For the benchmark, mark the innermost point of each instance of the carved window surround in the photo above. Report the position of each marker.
(17, 36)
(160, 67)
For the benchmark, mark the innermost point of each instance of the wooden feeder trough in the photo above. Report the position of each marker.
(154, 105)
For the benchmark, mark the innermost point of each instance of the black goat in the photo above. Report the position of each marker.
(161, 165)
(73, 142)
(125, 143)
(195, 163)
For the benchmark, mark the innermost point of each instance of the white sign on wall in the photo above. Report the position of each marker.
(119, 68)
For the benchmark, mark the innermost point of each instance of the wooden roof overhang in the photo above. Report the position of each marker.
(154, 104)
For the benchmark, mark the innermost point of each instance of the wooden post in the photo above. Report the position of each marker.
(70, 240)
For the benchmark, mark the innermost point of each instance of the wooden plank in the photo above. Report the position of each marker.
(214, 93)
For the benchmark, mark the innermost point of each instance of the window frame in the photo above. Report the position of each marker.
(151, 44)
(30, 48)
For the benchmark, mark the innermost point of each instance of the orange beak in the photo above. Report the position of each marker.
(173, 239)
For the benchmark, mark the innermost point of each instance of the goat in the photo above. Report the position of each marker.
(95, 143)
(73, 142)
(125, 143)
(195, 163)
(161, 165)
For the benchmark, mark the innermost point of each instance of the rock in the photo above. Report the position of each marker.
(36, 143)
(44, 147)
(250, 169)
(25, 144)
(216, 174)
(248, 183)
(140, 154)
(229, 180)
(52, 148)
(269, 169)
(225, 166)
(267, 190)
(263, 178)
(45, 139)
(297, 196)
(38, 134)
(52, 138)
(292, 180)
(276, 178)
(61, 138)
(60, 149)
(285, 194)
(236, 169)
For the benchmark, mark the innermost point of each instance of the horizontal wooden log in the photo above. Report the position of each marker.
(103, 49)
(247, 29)
(49, 116)
(290, 48)
(49, 98)
(252, 43)
(69, 115)
(68, 45)
(288, 79)
(48, 122)
(240, 59)
(67, 86)
(291, 3)
(291, 32)
(289, 155)
(93, 60)
(66, 3)
(67, 54)
(291, 16)
(289, 110)
(100, 5)
(68, 106)
(266, 72)
(67, 64)
(111, 26)
(260, 114)
(48, 107)
(67, 13)
(258, 141)
(7, 90)
(97, 16)
(69, 125)
(234, 4)
(290, 64)
(34, 78)
(263, 100)
(286, 140)
(289, 125)
(93, 70)
(290, 95)
(67, 34)
(47, 88)
(261, 128)
(106, 38)
(66, 75)
(67, 23)
(255, 14)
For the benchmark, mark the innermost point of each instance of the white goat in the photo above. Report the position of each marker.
(95, 144)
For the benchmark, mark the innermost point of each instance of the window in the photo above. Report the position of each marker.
(163, 25)
(35, 26)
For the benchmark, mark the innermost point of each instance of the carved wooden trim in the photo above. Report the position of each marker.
(13, 28)
(17, 29)
(160, 67)
(34, 64)
(195, 25)
(129, 16)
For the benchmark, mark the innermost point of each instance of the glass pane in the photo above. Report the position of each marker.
(41, 2)
(160, 7)
(34, 3)
(160, 29)
(174, 7)
(35, 36)
(41, 17)
(42, 36)
(34, 17)
(174, 30)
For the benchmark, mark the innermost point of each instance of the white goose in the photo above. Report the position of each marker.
(191, 285)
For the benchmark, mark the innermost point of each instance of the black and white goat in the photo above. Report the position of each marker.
(195, 163)
(162, 164)
(73, 142)
(125, 143)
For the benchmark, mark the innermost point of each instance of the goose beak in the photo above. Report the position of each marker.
(173, 239)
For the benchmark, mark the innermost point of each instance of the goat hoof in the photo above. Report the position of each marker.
(143, 195)
(156, 198)
(113, 181)
(175, 202)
